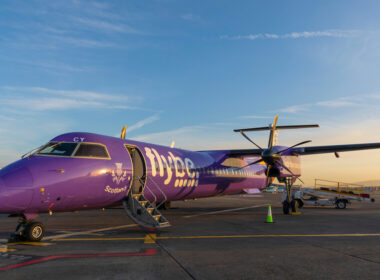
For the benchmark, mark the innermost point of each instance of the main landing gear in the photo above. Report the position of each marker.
(28, 230)
(289, 205)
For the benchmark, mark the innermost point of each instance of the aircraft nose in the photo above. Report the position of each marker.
(15, 190)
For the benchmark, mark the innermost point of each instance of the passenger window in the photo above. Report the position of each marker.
(92, 150)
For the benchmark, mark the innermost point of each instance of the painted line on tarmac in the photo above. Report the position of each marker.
(147, 252)
(227, 210)
(223, 236)
(88, 232)
(150, 238)
(29, 243)
(91, 232)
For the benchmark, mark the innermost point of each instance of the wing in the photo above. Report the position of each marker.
(334, 148)
(311, 150)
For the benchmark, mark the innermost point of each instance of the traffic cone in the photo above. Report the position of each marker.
(269, 217)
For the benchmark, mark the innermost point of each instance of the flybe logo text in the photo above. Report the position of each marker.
(173, 165)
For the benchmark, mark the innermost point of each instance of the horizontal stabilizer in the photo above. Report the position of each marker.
(277, 127)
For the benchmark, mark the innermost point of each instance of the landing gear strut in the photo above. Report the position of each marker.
(289, 203)
(28, 230)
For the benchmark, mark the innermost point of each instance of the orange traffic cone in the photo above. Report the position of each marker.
(269, 216)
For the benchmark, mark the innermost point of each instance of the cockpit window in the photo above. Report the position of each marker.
(58, 149)
(91, 150)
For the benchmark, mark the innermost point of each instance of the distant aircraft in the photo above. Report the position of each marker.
(78, 171)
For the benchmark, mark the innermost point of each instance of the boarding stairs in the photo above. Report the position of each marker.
(142, 211)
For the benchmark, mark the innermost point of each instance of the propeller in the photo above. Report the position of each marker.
(271, 156)
(123, 131)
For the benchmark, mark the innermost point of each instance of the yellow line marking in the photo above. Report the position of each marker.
(221, 236)
(150, 238)
(30, 243)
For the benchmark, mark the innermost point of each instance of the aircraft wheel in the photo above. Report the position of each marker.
(341, 204)
(285, 207)
(300, 203)
(293, 205)
(34, 231)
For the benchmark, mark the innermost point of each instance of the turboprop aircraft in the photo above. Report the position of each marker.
(79, 171)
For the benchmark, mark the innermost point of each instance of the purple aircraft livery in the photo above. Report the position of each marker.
(79, 171)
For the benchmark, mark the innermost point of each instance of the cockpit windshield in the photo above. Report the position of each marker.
(70, 149)
(58, 149)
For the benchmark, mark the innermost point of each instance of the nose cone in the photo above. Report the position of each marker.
(15, 189)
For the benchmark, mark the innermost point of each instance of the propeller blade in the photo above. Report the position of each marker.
(272, 131)
(267, 180)
(249, 139)
(252, 163)
(299, 144)
(123, 130)
(280, 163)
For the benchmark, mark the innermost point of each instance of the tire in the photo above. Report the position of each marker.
(285, 207)
(293, 205)
(34, 232)
(300, 203)
(341, 204)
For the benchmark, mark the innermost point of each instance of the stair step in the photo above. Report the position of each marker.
(164, 224)
(156, 217)
(136, 196)
(150, 210)
(143, 202)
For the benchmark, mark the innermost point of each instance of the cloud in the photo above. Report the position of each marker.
(348, 101)
(82, 94)
(105, 26)
(255, 117)
(86, 43)
(336, 103)
(295, 108)
(52, 99)
(143, 122)
(295, 35)
(168, 135)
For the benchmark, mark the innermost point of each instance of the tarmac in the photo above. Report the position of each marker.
(213, 238)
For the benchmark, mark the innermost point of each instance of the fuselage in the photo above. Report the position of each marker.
(100, 170)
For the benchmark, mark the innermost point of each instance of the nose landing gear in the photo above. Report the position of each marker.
(28, 230)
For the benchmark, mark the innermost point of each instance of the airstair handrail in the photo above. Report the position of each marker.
(158, 187)
(146, 186)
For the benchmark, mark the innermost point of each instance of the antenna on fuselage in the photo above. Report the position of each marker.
(172, 144)
(123, 130)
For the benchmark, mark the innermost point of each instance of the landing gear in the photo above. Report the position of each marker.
(28, 230)
(285, 207)
(290, 205)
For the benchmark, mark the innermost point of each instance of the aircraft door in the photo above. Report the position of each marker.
(139, 169)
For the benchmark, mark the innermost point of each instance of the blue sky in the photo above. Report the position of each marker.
(191, 71)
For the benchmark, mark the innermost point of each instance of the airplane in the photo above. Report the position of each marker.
(79, 171)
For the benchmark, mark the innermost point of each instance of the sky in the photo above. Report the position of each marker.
(192, 71)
